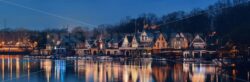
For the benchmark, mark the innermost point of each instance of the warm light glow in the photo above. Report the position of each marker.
(105, 71)
(198, 77)
(47, 66)
(3, 71)
(17, 68)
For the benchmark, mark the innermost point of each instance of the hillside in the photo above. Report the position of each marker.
(230, 20)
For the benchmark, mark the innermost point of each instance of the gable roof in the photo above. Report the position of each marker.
(157, 35)
(130, 38)
(198, 39)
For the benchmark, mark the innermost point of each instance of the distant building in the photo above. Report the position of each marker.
(83, 48)
(198, 43)
(52, 40)
(179, 41)
(98, 46)
(144, 37)
(125, 42)
(145, 40)
(140, 44)
(212, 41)
(100, 43)
(129, 41)
(112, 44)
(87, 45)
(60, 51)
(131, 46)
(134, 43)
(112, 47)
(160, 41)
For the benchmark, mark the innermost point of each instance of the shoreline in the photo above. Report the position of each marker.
(127, 58)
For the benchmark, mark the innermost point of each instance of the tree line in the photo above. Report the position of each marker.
(230, 19)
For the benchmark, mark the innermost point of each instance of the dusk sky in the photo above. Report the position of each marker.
(40, 14)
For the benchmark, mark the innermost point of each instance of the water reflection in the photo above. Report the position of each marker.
(47, 66)
(15, 68)
(60, 68)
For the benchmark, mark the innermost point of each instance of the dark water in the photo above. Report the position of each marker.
(17, 69)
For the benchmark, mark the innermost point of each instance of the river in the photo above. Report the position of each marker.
(18, 69)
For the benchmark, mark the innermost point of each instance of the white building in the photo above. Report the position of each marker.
(198, 43)
(134, 43)
(87, 45)
(125, 42)
(144, 37)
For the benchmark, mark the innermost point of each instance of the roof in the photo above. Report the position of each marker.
(130, 38)
(92, 43)
(157, 35)
(198, 39)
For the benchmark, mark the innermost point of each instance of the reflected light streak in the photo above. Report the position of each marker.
(60, 68)
(3, 71)
(11, 68)
(125, 74)
(234, 74)
(109, 71)
(17, 68)
(95, 69)
(198, 77)
(46, 65)
(248, 76)
(28, 63)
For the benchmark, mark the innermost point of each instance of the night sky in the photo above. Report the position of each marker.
(40, 14)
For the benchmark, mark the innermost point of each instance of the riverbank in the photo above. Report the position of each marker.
(146, 58)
